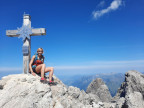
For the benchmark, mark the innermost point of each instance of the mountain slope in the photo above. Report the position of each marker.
(112, 80)
(26, 91)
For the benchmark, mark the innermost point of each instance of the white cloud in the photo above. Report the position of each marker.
(119, 62)
(3, 69)
(101, 4)
(113, 6)
(105, 65)
(91, 67)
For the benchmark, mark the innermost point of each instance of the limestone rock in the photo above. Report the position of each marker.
(98, 88)
(132, 91)
(26, 91)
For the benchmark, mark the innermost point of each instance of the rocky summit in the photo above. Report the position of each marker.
(99, 89)
(131, 92)
(26, 91)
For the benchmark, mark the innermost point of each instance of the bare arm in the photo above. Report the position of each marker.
(30, 65)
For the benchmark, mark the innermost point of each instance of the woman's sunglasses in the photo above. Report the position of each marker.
(39, 51)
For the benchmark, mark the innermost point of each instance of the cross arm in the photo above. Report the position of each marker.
(12, 33)
(35, 32)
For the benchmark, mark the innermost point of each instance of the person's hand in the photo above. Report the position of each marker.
(33, 74)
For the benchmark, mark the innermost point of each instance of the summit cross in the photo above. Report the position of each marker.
(26, 32)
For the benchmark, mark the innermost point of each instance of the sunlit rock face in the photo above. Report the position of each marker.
(98, 88)
(131, 92)
(26, 91)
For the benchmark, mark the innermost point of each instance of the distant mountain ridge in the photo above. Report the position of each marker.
(113, 80)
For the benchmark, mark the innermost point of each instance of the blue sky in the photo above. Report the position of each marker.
(83, 36)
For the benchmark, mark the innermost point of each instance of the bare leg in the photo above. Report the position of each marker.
(41, 69)
(50, 70)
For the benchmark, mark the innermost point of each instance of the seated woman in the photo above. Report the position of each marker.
(37, 65)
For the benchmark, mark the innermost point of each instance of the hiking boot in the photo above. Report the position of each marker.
(51, 83)
(44, 81)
